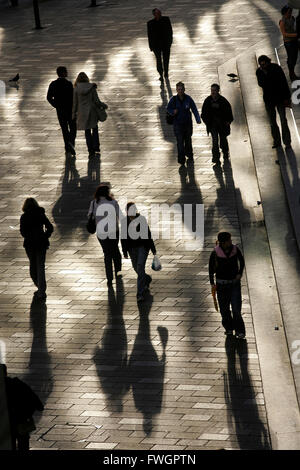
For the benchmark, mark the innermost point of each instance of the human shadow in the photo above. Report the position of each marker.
(242, 410)
(70, 210)
(39, 369)
(167, 129)
(111, 357)
(146, 370)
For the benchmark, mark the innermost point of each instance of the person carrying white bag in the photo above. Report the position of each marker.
(136, 242)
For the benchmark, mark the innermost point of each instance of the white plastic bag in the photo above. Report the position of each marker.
(156, 265)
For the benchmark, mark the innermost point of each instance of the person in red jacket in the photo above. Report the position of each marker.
(227, 263)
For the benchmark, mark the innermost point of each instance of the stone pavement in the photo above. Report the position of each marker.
(97, 360)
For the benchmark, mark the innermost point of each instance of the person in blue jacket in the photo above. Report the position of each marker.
(180, 106)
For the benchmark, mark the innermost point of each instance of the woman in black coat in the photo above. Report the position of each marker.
(36, 242)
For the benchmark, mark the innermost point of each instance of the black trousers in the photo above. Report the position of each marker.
(37, 258)
(230, 295)
(112, 255)
(163, 53)
(68, 128)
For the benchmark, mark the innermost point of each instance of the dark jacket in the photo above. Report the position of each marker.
(128, 242)
(225, 266)
(22, 402)
(274, 84)
(216, 113)
(160, 33)
(32, 228)
(60, 96)
(184, 108)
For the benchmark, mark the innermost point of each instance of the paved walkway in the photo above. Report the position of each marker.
(98, 361)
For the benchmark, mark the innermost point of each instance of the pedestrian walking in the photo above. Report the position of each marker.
(107, 214)
(86, 106)
(136, 242)
(36, 229)
(276, 95)
(287, 26)
(217, 115)
(160, 37)
(22, 402)
(227, 263)
(180, 107)
(60, 96)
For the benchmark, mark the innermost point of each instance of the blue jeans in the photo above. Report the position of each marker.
(183, 133)
(139, 255)
(230, 294)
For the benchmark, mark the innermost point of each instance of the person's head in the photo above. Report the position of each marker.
(131, 209)
(30, 204)
(264, 61)
(286, 11)
(62, 72)
(81, 78)
(224, 239)
(156, 13)
(215, 88)
(180, 88)
(102, 191)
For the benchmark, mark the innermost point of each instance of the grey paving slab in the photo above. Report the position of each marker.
(77, 334)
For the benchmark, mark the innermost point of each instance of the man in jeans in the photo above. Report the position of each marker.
(60, 96)
(180, 106)
(227, 262)
(217, 115)
(277, 95)
(137, 246)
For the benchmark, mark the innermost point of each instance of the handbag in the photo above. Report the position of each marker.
(156, 264)
(91, 223)
(101, 113)
(170, 117)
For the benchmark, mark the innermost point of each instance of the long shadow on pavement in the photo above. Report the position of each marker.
(146, 370)
(242, 410)
(111, 358)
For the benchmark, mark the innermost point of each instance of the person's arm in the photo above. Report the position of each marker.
(228, 111)
(50, 95)
(49, 227)
(75, 105)
(195, 111)
(124, 239)
(170, 30)
(91, 208)
(241, 262)
(23, 226)
(284, 33)
(204, 111)
(171, 108)
(151, 245)
(212, 268)
(150, 35)
(284, 84)
(260, 77)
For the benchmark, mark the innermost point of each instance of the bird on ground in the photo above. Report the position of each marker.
(15, 79)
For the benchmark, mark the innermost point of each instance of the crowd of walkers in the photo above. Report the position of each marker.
(79, 108)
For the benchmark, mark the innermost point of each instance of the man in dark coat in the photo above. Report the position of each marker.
(160, 36)
(277, 95)
(217, 115)
(60, 96)
(22, 403)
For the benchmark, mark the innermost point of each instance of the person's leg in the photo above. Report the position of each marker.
(286, 135)
(236, 305)
(96, 143)
(292, 54)
(63, 122)
(224, 144)
(180, 144)
(107, 258)
(117, 257)
(188, 147)
(274, 127)
(215, 145)
(31, 253)
(142, 277)
(159, 66)
(224, 297)
(89, 141)
(23, 442)
(73, 132)
(40, 261)
(166, 58)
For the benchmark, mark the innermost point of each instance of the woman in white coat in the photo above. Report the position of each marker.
(86, 106)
